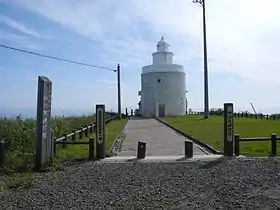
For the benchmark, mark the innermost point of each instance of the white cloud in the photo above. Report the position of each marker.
(242, 34)
(18, 26)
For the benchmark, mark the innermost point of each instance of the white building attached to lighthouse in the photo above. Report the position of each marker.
(163, 85)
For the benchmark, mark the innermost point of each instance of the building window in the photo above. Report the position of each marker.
(159, 80)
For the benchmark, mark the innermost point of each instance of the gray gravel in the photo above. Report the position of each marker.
(220, 184)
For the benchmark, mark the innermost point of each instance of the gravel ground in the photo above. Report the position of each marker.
(220, 184)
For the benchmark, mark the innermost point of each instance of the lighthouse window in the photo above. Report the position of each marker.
(159, 80)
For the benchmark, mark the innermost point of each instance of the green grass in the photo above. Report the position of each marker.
(210, 131)
(20, 137)
(21, 163)
(113, 128)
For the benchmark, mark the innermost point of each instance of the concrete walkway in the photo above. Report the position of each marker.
(161, 140)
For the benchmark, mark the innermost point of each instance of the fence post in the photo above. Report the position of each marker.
(65, 140)
(2, 152)
(228, 129)
(54, 145)
(86, 132)
(141, 150)
(74, 136)
(188, 149)
(273, 144)
(91, 149)
(236, 144)
(81, 133)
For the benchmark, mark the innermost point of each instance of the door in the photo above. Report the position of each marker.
(161, 110)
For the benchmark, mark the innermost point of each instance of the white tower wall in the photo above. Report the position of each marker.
(163, 88)
(163, 85)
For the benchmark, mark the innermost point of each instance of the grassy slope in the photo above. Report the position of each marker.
(210, 131)
(113, 128)
(23, 180)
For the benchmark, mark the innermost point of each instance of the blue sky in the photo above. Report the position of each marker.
(243, 49)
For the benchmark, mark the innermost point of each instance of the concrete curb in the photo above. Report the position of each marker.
(112, 149)
(208, 147)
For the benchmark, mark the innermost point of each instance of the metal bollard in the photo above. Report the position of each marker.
(141, 151)
(188, 149)
(2, 151)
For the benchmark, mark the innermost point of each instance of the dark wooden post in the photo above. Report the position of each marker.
(65, 140)
(74, 136)
(188, 149)
(236, 144)
(86, 132)
(100, 131)
(2, 152)
(54, 146)
(91, 149)
(81, 133)
(141, 150)
(44, 147)
(228, 129)
(273, 144)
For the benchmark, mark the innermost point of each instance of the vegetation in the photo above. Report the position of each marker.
(20, 138)
(210, 131)
(113, 129)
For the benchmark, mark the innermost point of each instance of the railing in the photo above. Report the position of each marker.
(243, 115)
(273, 139)
(71, 138)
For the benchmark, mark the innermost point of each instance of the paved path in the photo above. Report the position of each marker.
(161, 140)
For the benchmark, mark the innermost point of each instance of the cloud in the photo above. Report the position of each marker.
(19, 26)
(241, 40)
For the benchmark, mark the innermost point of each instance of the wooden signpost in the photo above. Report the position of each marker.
(100, 131)
(44, 141)
(228, 129)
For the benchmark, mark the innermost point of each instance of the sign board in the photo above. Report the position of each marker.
(228, 129)
(229, 113)
(44, 141)
(100, 131)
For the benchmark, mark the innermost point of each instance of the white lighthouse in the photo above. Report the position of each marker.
(163, 85)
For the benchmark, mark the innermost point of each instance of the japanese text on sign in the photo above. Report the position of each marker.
(230, 123)
(100, 124)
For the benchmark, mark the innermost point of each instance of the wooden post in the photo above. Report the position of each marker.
(91, 149)
(273, 144)
(100, 131)
(188, 149)
(228, 129)
(65, 140)
(236, 144)
(86, 132)
(2, 152)
(141, 150)
(74, 136)
(44, 147)
(54, 146)
(81, 133)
